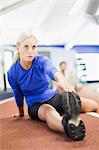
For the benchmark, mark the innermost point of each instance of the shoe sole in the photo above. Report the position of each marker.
(73, 125)
(76, 133)
(71, 104)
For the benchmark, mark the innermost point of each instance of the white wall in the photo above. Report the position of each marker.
(1, 69)
(60, 54)
(87, 35)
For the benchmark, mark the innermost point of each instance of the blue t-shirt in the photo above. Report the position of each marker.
(32, 83)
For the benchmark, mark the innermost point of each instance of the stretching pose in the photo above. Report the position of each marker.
(28, 78)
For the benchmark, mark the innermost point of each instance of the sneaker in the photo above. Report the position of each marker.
(73, 125)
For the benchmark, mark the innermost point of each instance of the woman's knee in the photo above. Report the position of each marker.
(89, 105)
(44, 110)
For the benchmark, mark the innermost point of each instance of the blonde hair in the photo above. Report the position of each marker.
(22, 37)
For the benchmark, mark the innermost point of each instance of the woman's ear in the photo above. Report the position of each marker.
(18, 52)
(17, 47)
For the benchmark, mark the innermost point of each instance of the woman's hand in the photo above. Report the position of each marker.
(62, 88)
(18, 115)
(21, 113)
(70, 88)
(60, 85)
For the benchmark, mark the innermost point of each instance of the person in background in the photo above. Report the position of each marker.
(70, 80)
(70, 76)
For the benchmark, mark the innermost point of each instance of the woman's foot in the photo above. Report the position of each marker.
(74, 127)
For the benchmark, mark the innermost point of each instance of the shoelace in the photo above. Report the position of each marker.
(68, 102)
(76, 100)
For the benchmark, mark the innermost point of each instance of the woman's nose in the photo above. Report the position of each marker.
(30, 50)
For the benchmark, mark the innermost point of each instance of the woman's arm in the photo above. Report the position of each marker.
(21, 111)
(58, 82)
(53, 73)
(60, 85)
(18, 95)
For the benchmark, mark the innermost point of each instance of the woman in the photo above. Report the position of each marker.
(28, 78)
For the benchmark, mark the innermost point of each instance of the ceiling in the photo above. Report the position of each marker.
(52, 21)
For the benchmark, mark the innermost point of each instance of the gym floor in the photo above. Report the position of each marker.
(27, 134)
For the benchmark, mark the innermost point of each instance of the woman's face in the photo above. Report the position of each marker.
(63, 67)
(27, 49)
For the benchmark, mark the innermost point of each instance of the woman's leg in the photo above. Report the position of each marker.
(70, 124)
(53, 119)
(89, 105)
(74, 128)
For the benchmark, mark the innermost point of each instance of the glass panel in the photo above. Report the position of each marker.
(8, 63)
